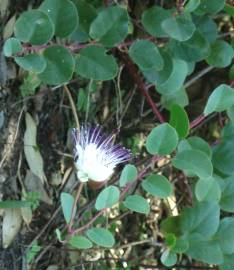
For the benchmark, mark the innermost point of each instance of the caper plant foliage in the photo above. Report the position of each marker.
(64, 39)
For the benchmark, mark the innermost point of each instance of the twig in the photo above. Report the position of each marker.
(87, 225)
(142, 87)
(74, 206)
(197, 121)
(73, 107)
(198, 76)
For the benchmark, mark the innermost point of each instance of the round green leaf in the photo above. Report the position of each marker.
(179, 120)
(168, 258)
(93, 63)
(59, 65)
(34, 26)
(67, 202)
(80, 242)
(152, 19)
(227, 197)
(151, 59)
(207, 27)
(162, 140)
(195, 162)
(176, 78)
(180, 27)
(226, 235)
(207, 189)
(221, 99)
(157, 185)
(87, 14)
(206, 7)
(107, 198)
(137, 204)
(31, 62)
(221, 54)
(110, 26)
(128, 175)
(195, 143)
(159, 77)
(101, 237)
(191, 5)
(11, 47)
(203, 249)
(63, 14)
(196, 48)
(180, 97)
(223, 156)
(202, 218)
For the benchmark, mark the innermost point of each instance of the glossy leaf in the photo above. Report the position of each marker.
(179, 120)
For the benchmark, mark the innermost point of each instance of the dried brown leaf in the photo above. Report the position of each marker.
(32, 153)
(11, 225)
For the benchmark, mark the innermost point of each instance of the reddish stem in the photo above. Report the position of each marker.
(197, 121)
(142, 87)
(87, 225)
